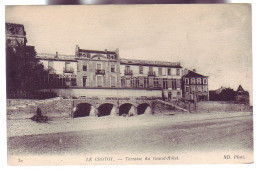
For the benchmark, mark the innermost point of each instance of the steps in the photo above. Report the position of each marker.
(172, 105)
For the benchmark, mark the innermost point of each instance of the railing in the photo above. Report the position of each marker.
(100, 72)
(68, 70)
(151, 73)
(129, 72)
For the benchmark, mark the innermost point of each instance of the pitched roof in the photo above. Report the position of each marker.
(240, 88)
(150, 63)
(193, 74)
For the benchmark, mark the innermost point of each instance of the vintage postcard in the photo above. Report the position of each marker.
(129, 84)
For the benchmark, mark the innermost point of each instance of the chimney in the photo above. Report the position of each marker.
(77, 51)
(56, 56)
(106, 50)
(194, 70)
(185, 71)
(117, 52)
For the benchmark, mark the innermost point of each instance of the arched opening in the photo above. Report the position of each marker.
(105, 109)
(143, 108)
(82, 110)
(126, 109)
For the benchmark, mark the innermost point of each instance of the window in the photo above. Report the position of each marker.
(137, 82)
(122, 82)
(127, 68)
(187, 89)
(84, 67)
(99, 81)
(199, 88)
(159, 71)
(98, 66)
(186, 80)
(113, 81)
(198, 80)
(205, 88)
(113, 68)
(146, 82)
(141, 70)
(165, 84)
(169, 71)
(88, 55)
(84, 81)
(174, 84)
(112, 57)
(108, 56)
(204, 80)
(177, 72)
(150, 69)
(155, 82)
(193, 81)
(193, 88)
(128, 82)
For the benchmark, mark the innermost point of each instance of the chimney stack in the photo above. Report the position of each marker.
(56, 56)
(77, 51)
(194, 70)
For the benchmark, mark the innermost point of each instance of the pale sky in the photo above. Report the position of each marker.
(213, 39)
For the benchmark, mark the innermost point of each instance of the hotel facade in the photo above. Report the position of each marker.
(94, 69)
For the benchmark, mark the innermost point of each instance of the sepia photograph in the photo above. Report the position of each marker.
(129, 84)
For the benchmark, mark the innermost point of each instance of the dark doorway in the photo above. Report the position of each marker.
(169, 96)
(124, 109)
(82, 110)
(141, 108)
(104, 109)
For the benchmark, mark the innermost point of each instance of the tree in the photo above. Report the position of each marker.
(226, 94)
(24, 72)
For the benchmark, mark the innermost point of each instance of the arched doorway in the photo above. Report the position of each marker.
(82, 110)
(127, 109)
(143, 108)
(105, 109)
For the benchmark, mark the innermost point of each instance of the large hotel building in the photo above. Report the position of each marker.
(104, 69)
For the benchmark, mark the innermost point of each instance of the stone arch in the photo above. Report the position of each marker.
(106, 109)
(127, 109)
(144, 108)
(83, 110)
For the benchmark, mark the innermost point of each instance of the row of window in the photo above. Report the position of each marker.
(145, 82)
(128, 70)
(99, 82)
(195, 80)
(99, 67)
(198, 88)
(169, 70)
